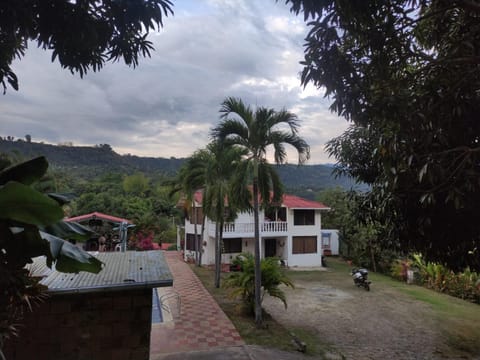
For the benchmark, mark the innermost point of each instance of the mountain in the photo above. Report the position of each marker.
(89, 162)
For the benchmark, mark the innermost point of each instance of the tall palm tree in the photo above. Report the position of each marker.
(189, 179)
(220, 166)
(256, 131)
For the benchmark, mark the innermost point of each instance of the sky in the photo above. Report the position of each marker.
(166, 107)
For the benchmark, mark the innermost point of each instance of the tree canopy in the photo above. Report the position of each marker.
(406, 73)
(83, 35)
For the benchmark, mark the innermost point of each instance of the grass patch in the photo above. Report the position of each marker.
(274, 335)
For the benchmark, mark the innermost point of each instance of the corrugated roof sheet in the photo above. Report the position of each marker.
(99, 215)
(122, 271)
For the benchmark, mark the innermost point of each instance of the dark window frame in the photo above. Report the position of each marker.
(303, 217)
(232, 245)
(190, 242)
(304, 245)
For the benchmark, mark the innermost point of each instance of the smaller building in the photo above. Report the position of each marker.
(330, 242)
(291, 231)
(94, 316)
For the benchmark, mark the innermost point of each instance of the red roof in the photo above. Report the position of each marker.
(98, 215)
(295, 202)
(289, 201)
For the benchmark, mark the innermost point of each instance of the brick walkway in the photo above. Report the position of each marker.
(199, 325)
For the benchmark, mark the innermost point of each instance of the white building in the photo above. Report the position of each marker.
(291, 232)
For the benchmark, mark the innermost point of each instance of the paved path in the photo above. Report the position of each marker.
(199, 324)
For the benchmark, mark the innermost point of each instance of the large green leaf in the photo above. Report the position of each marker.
(69, 230)
(26, 172)
(62, 199)
(25, 243)
(69, 258)
(21, 203)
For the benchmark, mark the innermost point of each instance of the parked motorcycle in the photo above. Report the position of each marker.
(360, 278)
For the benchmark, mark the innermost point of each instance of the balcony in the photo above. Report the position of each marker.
(247, 229)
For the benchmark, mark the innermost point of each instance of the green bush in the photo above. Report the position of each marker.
(242, 283)
(464, 285)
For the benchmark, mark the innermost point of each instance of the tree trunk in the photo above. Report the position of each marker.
(258, 270)
(217, 254)
(202, 232)
(372, 255)
(195, 245)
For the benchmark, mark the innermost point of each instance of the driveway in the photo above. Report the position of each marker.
(384, 323)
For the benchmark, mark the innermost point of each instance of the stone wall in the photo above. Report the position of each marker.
(94, 326)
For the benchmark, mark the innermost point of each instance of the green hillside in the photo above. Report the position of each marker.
(89, 162)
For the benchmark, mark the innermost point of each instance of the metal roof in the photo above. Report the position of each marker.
(122, 271)
(98, 215)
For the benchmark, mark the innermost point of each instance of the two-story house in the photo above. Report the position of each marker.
(291, 232)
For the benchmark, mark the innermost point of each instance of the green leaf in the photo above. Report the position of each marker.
(69, 230)
(21, 203)
(61, 199)
(26, 172)
(26, 244)
(70, 258)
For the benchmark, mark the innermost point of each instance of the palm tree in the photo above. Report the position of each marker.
(256, 131)
(189, 179)
(220, 168)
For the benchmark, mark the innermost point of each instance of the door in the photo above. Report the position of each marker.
(270, 247)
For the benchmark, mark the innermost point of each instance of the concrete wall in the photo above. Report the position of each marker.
(114, 325)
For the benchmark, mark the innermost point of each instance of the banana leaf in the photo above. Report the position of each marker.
(26, 172)
(69, 230)
(19, 202)
(70, 258)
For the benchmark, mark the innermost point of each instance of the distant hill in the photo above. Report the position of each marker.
(88, 162)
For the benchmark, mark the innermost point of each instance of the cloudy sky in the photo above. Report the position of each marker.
(208, 50)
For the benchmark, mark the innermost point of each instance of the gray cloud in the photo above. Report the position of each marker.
(209, 50)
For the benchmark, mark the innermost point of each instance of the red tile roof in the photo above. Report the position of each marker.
(290, 201)
(295, 202)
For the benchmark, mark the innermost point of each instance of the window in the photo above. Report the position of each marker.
(304, 244)
(199, 214)
(303, 217)
(232, 245)
(191, 242)
(326, 240)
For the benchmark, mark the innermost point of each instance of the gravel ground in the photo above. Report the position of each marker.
(380, 324)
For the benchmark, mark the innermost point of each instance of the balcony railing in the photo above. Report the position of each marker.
(248, 228)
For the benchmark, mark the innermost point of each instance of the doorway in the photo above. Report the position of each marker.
(270, 247)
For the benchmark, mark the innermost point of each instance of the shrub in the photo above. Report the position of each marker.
(243, 282)
(464, 285)
(144, 242)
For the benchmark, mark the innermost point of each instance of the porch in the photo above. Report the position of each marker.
(267, 228)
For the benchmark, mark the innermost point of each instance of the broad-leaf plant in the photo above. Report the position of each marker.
(31, 225)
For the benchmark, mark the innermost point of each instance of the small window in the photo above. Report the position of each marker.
(304, 217)
(326, 240)
(304, 245)
(191, 242)
(232, 245)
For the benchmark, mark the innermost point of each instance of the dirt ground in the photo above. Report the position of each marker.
(381, 324)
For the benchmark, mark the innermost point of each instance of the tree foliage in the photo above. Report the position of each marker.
(83, 35)
(407, 75)
(242, 282)
(255, 132)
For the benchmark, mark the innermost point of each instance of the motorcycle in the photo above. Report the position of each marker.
(360, 278)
